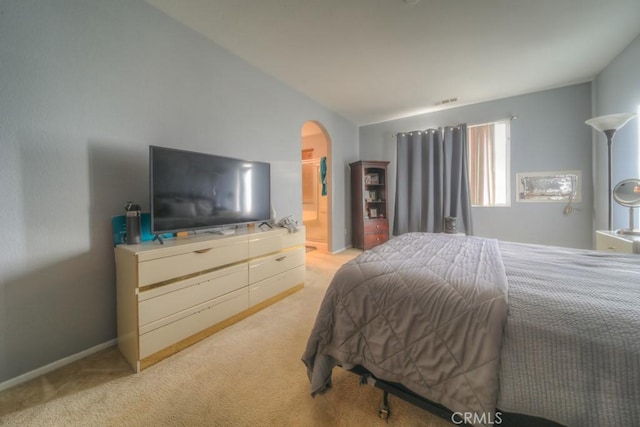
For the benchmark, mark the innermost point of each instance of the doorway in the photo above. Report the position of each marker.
(316, 186)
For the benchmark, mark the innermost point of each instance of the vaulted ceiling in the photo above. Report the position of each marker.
(376, 60)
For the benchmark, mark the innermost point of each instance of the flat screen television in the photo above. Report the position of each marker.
(191, 190)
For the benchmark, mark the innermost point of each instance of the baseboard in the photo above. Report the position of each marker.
(342, 250)
(27, 376)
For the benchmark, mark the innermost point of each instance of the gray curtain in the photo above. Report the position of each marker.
(432, 181)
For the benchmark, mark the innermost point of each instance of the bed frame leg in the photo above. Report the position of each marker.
(384, 412)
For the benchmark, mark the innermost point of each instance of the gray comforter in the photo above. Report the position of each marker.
(571, 345)
(571, 349)
(423, 310)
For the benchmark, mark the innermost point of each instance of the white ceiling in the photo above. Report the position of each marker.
(376, 60)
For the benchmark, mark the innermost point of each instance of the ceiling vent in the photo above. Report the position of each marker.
(447, 101)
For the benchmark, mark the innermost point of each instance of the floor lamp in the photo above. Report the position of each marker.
(609, 125)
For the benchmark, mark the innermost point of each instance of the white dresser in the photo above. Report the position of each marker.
(612, 242)
(170, 296)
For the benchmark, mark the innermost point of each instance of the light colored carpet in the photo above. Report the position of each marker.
(249, 374)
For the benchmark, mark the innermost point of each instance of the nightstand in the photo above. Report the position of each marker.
(610, 241)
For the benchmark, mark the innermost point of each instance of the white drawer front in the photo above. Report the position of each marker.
(170, 299)
(613, 244)
(262, 244)
(161, 269)
(274, 285)
(293, 239)
(214, 312)
(273, 241)
(262, 268)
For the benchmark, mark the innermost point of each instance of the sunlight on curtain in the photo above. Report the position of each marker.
(489, 164)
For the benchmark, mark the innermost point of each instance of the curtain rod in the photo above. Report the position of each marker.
(510, 118)
(425, 131)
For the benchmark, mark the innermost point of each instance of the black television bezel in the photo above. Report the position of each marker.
(206, 227)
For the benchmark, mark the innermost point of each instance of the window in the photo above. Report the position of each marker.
(489, 164)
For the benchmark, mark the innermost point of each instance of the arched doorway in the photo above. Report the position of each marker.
(316, 186)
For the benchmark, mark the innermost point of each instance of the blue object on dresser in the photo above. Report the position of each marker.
(119, 227)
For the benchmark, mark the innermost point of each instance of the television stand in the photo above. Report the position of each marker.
(226, 231)
(158, 238)
(173, 295)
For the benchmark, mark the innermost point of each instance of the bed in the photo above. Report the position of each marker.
(483, 326)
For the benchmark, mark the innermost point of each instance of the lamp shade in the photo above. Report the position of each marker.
(610, 122)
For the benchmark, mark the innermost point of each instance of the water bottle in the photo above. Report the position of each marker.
(133, 223)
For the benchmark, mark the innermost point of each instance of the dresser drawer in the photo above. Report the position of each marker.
(375, 232)
(262, 268)
(376, 227)
(374, 239)
(274, 285)
(293, 239)
(273, 241)
(198, 319)
(164, 301)
(218, 253)
(610, 243)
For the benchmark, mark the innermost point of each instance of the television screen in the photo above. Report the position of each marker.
(192, 190)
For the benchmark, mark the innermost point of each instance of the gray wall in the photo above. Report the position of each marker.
(549, 135)
(85, 87)
(617, 90)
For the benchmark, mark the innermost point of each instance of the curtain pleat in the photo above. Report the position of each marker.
(432, 180)
(403, 183)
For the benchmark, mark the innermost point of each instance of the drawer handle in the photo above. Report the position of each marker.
(203, 251)
(281, 258)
